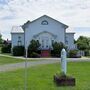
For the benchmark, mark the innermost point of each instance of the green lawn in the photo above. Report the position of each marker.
(0, 49)
(41, 77)
(8, 60)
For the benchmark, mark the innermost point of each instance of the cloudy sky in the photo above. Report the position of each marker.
(74, 13)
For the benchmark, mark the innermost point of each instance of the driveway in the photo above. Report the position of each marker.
(10, 67)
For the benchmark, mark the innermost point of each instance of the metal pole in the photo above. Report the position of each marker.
(25, 84)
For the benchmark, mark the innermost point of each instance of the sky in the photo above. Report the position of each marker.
(74, 13)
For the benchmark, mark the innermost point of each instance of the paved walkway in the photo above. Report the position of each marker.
(83, 58)
(10, 67)
(38, 61)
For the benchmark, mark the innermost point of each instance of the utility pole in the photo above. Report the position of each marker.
(25, 83)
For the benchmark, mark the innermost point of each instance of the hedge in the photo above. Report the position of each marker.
(73, 54)
(6, 48)
(18, 50)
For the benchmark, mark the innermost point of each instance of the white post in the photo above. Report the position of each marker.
(25, 87)
(63, 61)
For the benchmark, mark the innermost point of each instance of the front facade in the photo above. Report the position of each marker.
(44, 29)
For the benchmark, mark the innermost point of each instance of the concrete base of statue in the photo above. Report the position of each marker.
(63, 80)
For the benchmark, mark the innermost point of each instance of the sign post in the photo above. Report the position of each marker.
(63, 61)
(62, 79)
(25, 69)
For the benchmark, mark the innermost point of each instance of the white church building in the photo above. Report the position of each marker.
(44, 29)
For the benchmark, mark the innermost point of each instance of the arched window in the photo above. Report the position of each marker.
(42, 43)
(44, 22)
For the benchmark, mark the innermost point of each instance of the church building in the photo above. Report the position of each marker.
(44, 29)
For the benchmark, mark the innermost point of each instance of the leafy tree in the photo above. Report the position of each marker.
(33, 47)
(83, 43)
(18, 50)
(57, 47)
(0, 39)
(73, 54)
(6, 48)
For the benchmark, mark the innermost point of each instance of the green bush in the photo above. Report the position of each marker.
(33, 48)
(6, 48)
(57, 47)
(18, 50)
(73, 54)
(87, 53)
(34, 55)
(1, 45)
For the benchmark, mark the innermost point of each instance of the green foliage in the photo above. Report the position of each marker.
(18, 50)
(57, 47)
(6, 48)
(9, 60)
(87, 52)
(34, 55)
(73, 54)
(83, 43)
(33, 48)
(0, 39)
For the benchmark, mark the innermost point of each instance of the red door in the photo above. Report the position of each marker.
(45, 53)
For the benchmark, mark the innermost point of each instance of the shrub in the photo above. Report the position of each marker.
(33, 48)
(87, 53)
(73, 54)
(34, 55)
(57, 47)
(6, 48)
(18, 50)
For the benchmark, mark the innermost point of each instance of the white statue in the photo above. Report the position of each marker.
(63, 61)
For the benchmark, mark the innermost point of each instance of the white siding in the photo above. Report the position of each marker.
(15, 38)
(36, 27)
(70, 41)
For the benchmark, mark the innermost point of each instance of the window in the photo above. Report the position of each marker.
(19, 37)
(42, 43)
(52, 41)
(46, 43)
(66, 42)
(19, 41)
(44, 22)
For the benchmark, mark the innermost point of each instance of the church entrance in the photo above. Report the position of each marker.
(45, 39)
(45, 43)
(45, 53)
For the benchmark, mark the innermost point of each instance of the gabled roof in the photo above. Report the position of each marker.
(70, 30)
(17, 29)
(28, 22)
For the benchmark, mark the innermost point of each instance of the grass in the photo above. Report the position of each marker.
(41, 77)
(0, 49)
(8, 60)
(88, 56)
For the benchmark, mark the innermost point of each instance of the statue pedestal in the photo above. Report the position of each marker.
(61, 80)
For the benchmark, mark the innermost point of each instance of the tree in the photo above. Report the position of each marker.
(18, 51)
(57, 47)
(83, 43)
(6, 48)
(33, 47)
(0, 39)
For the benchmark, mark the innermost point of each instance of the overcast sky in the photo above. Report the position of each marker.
(74, 13)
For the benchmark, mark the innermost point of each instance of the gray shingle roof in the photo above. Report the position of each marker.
(17, 29)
